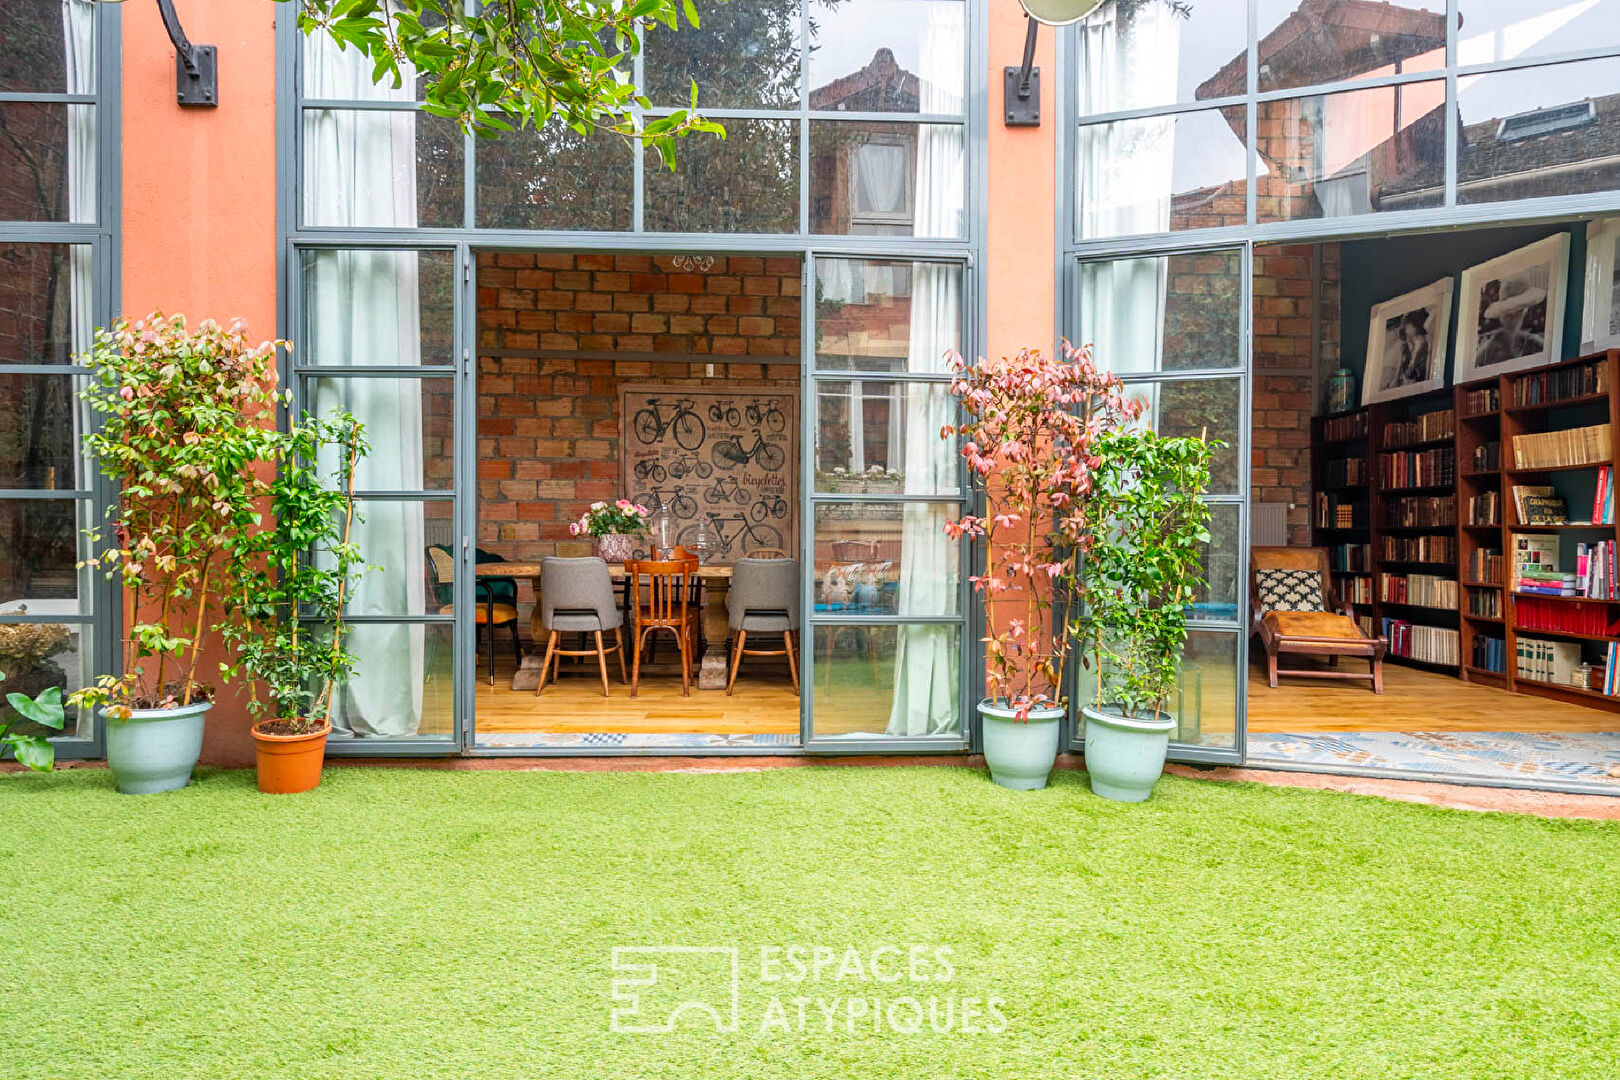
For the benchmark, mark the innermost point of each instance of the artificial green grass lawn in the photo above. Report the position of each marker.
(422, 923)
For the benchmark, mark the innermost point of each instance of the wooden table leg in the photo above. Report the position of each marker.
(716, 628)
(528, 672)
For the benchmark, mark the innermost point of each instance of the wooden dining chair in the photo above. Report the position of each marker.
(767, 553)
(486, 616)
(666, 606)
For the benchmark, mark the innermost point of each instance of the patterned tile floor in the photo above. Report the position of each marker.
(1490, 755)
(650, 741)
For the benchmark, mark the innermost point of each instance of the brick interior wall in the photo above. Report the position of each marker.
(559, 334)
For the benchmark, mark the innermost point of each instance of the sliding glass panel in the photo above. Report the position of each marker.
(377, 308)
(875, 178)
(745, 55)
(407, 551)
(875, 558)
(881, 437)
(1204, 702)
(37, 656)
(333, 73)
(1161, 174)
(1493, 30)
(382, 168)
(886, 681)
(1538, 132)
(1164, 312)
(888, 55)
(1208, 408)
(45, 293)
(41, 419)
(403, 684)
(48, 47)
(409, 426)
(884, 315)
(555, 178)
(1302, 43)
(1358, 152)
(1136, 55)
(47, 162)
(1217, 601)
(748, 183)
(41, 545)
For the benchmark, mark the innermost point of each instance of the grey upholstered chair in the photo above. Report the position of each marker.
(763, 599)
(576, 597)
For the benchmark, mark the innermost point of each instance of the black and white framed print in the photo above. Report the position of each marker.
(1511, 314)
(1600, 316)
(1406, 344)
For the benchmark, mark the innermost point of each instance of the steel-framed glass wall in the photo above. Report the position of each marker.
(1193, 132)
(59, 108)
(855, 135)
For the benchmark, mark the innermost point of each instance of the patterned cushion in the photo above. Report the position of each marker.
(1289, 590)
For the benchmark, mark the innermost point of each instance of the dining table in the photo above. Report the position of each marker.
(715, 620)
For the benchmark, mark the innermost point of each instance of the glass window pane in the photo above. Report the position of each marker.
(1204, 702)
(409, 426)
(746, 183)
(745, 55)
(332, 73)
(1358, 152)
(888, 55)
(1494, 30)
(47, 162)
(403, 682)
(1163, 312)
(382, 169)
(883, 179)
(38, 656)
(1122, 49)
(40, 424)
(377, 308)
(1217, 600)
(1538, 132)
(1304, 42)
(41, 545)
(886, 559)
(1198, 407)
(886, 680)
(884, 315)
(1162, 173)
(555, 179)
(45, 292)
(48, 46)
(402, 575)
(883, 438)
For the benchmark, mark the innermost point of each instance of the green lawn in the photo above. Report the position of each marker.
(418, 923)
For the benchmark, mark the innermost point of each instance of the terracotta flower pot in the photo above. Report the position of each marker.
(289, 764)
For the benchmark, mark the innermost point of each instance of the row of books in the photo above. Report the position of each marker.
(1536, 569)
(1490, 653)
(1349, 426)
(1539, 504)
(1346, 472)
(1350, 557)
(1487, 399)
(1433, 549)
(1356, 590)
(1419, 590)
(1485, 602)
(1337, 512)
(1611, 670)
(1548, 661)
(1572, 382)
(1558, 449)
(1485, 509)
(1596, 569)
(1418, 468)
(1485, 564)
(1488, 457)
(1530, 613)
(1421, 511)
(1603, 496)
(1431, 644)
(1441, 424)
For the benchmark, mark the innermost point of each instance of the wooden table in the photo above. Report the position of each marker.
(716, 622)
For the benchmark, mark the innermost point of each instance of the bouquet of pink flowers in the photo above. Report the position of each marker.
(610, 519)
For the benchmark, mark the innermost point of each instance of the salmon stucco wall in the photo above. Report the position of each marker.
(199, 201)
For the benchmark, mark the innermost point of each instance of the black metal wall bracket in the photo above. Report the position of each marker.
(1022, 86)
(196, 67)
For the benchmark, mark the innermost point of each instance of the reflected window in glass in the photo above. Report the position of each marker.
(1163, 312)
(886, 315)
(886, 179)
(888, 56)
(1539, 132)
(1163, 173)
(1122, 50)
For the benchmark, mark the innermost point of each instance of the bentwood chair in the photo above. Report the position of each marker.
(1294, 609)
(665, 606)
(486, 616)
(576, 597)
(763, 600)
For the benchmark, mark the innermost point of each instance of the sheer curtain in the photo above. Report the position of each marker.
(927, 659)
(362, 309)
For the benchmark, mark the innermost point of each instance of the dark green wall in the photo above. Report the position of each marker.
(1376, 270)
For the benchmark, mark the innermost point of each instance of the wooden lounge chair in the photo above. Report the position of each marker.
(1323, 625)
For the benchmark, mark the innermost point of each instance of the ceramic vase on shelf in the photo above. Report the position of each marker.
(616, 547)
(1341, 391)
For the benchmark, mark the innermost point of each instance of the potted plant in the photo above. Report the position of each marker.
(1030, 422)
(287, 632)
(187, 418)
(615, 527)
(43, 711)
(1142, 567)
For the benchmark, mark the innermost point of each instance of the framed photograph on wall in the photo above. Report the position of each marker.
(1600, 317)
(1406, 344)
(1512, 312)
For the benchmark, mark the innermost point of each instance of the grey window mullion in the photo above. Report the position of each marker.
(1453, 107)
(638, 166)
(46, 494)
(360, 105)
(26, 97)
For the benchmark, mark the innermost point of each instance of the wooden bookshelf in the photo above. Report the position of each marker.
(1332, 450)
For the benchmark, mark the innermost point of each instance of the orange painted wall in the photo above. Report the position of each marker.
(199, 213)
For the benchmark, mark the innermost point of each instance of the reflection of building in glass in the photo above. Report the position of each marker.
(863, 175)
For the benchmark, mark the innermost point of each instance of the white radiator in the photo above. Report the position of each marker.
(440, 531)
(1268, 524)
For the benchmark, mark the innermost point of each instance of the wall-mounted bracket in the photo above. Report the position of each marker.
(1022, 90)
(196, 67)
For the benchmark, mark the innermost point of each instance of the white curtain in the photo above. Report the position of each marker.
(79, 53)
(927, 660)
(362, 309)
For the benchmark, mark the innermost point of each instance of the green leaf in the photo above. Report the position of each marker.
(44, 710)
(35, 752)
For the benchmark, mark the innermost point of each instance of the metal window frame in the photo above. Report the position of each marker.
(469, 240)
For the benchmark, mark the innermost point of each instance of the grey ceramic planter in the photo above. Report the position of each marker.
(1124, 756)
(155, 749)
(1020, 753)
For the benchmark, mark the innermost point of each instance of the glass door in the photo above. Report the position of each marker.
(885, 587)
(1175, 328)
(378, 335)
